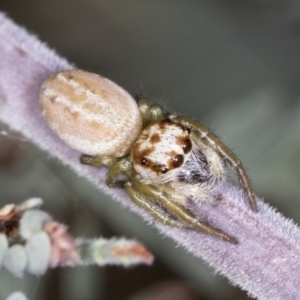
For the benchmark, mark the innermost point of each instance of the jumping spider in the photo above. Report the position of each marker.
(166, 158)
(174, 159)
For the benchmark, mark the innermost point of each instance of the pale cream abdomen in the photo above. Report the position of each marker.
(90, 113)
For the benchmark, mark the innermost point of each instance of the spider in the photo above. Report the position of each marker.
(167, 159)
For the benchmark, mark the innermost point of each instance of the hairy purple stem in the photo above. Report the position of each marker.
(266, 260)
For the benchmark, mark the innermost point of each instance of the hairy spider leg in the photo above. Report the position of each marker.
(115, 166)
(143, 192)
(151, 113)
(153, 209)
(213, 142)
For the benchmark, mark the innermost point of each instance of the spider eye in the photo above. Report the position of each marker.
(178, 161)
(187, 146)
(164, 170)
(143, 160)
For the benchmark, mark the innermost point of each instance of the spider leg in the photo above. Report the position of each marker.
(151, 113)
(97, 161)
(115, 166)
(140, 193)
(154, 210)
(203, 133)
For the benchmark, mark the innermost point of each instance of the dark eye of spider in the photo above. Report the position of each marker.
(178, 161)
(164, 170)
(187, 146)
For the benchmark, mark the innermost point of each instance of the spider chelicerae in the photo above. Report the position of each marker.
(174, 159)
(166, 159)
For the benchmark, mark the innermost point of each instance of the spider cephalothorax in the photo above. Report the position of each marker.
(165, 153)
(167, 159)
(161, 150)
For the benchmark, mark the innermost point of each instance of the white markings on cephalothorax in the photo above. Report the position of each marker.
(159, 145)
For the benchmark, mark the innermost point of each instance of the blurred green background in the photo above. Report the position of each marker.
(233, 65)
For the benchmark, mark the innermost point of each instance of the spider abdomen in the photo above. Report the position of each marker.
(90, 113)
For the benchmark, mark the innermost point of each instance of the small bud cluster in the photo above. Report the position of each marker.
(31, 241)
(24, 245)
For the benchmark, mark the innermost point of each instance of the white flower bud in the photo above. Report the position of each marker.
(3, 246)
(15, 260)
(33, 221)
(38, 249)
(16, 296)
